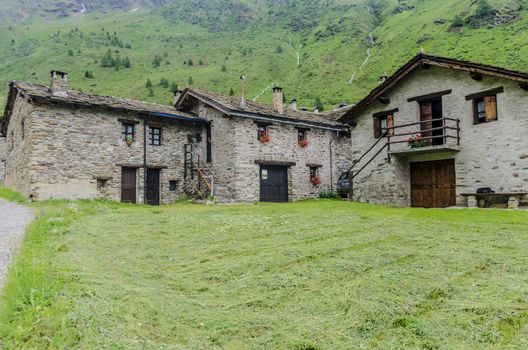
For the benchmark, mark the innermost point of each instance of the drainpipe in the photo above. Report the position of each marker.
(145, 160)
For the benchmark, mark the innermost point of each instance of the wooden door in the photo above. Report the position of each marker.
(426, 117)
(153, 186)
(273, 184)
(433, 184)
(128, 185)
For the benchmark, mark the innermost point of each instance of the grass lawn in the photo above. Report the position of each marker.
(308, 275)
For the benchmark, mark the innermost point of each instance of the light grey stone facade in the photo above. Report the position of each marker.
(68, 145)
(236, 152)
(493, 154)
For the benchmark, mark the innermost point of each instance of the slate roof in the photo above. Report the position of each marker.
(231, 106)
(43, 93)
(425, 60)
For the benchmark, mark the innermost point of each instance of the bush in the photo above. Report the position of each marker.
(328, 194)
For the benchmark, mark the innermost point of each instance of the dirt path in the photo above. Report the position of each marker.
(14, 220)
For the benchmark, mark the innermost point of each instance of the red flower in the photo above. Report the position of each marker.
(264, 138)
(316, 181)
(304, 143)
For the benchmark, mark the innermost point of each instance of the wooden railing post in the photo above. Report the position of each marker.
(458, 132)
(389, 146)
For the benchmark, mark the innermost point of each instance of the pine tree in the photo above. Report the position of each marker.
(224, 68)
(231, 92)
(150, 92)
(173, 87)
(148, 85)
(190, 82)
(319, 104)
(164, 83)
(200, 62)
(70, 52)
(484, 9)
(126, 63)
(190, 62)
(107, 60)
(279, 49)
(88, 74)
(457, 22)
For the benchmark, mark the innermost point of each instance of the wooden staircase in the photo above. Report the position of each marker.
(197, 167)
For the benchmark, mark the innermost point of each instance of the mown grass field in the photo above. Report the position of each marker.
(308, 275)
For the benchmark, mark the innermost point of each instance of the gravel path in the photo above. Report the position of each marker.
(14, 220)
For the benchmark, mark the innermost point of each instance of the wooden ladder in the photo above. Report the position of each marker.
(194, 164)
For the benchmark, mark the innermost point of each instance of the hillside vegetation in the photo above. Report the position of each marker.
(315, 48)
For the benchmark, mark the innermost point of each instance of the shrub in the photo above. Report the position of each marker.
(328, 194)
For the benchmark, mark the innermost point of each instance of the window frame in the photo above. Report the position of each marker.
(477, 118)
(314, 172)
(151, 136)
(302, 135)
(125, 132)
(173, 185)
(262, 130)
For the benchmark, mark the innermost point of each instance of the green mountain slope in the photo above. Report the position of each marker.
(312, 48)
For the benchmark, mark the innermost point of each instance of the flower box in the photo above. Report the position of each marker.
(416, 141)
(304, 143)
(264, 138)
(316, 181)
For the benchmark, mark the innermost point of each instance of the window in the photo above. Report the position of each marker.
(127, 131)
(314, 173)
(101, 183)
(485, 109)
(382, 123)
(154, 137)
(173, 185)
(302, 135)
(263, 133)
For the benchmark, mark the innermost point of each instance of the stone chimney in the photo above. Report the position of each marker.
(243, 91)
(59, 83)
(177, 95)
(278, 104)
(316, 110)
(383, 78)
(293, 104)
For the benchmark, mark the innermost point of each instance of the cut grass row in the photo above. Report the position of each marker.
(308, 275)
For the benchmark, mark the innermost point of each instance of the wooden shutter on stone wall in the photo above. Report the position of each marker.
(390, 124)
(490, 105)
(377, 127)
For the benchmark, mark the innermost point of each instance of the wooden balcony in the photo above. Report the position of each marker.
(435, 136)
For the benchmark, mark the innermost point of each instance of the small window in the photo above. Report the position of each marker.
(485, 109)
(383, 125)
(314, 172)
(302, 137)
(262, 134)
(173, 185)
(127, 131)
(101, 183)
(23, 128)
(154, 136)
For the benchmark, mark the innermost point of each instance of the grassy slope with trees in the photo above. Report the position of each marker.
(211, 43)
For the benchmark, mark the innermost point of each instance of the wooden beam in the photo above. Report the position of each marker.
(274, 163)
(485, 93)
(476, 76)
(385, 113)
(430, 96)
(128, 121)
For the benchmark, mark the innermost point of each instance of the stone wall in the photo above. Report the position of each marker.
(19, 143)
(236, 149)
(2, 159)
(492, 154)
(69, 149)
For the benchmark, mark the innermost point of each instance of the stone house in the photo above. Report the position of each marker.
(63, 144)
(438, 133)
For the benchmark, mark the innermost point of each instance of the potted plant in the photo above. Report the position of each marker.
(304, 143)
(264, 138)
(129, 140)
(316, 181)
(416, 141)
